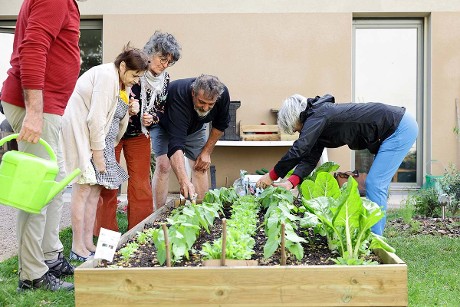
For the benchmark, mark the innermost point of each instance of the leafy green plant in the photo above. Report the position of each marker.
(129, 250)
(239, 246)
(224, 196)
(186, 221)
(344, 217)
(142, 237)
(184, 229)
(425, 202)
(279, 204)
(240, 228)
(450, 184)
(407, 212)
(327, 167)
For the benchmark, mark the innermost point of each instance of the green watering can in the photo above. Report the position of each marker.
(27, 181)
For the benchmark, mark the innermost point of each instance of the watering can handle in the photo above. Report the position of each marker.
(41, 141)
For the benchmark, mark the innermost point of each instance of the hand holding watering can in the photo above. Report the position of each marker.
(27, 182)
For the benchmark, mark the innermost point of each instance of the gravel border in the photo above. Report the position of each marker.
(8, 216)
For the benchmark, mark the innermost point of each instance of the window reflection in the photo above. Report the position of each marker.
(387, 69)
(90, 48)
(90, 45)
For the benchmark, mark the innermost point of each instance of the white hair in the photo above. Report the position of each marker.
(289, 113)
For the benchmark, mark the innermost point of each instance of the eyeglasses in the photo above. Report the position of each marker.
(164, 61)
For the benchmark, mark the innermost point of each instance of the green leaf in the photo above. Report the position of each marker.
(296, 249)
(273, 221)
(270, 247)
(326, 185)
(190, 236)
(379, 242)
(178, 251)
(161, 255)
(293, 237)
(309, 220)
(327, 167)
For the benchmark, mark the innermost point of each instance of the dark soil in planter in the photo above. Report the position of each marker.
(316, 251)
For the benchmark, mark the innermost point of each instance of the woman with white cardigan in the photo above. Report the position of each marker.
(93, 123)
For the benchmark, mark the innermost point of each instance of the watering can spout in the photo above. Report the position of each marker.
(59, 186)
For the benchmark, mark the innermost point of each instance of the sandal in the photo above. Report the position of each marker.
(77, 257)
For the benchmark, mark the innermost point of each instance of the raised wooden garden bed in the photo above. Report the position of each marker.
(316, 285)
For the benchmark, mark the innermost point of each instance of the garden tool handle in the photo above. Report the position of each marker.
(41, 141)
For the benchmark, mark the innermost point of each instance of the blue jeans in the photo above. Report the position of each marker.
(387, 161)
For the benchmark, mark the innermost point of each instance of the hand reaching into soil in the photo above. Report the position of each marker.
(187, 190)
(264, 182)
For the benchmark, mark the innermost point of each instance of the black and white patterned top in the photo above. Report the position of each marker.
(115, 175)
(151, 101)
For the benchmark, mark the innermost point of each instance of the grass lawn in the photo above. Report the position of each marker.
(9, 279)
(433, 263)
(433, 266)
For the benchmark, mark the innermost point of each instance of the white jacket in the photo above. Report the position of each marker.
(88, 116)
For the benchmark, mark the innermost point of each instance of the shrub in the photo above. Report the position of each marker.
(450, 184)
(425, 202)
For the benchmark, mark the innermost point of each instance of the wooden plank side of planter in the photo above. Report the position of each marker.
(139, 227)
(378, 285)
(230, 262)
(387, 257)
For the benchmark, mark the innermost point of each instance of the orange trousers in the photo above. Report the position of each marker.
(140, 200)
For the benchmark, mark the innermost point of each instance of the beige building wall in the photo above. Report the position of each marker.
(267, 50)
(445, 74)
(262, 58)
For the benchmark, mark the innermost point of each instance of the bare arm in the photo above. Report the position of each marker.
(178, 165)
(33, 121)
(203, 161)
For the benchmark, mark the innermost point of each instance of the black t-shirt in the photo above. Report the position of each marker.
(180, 118)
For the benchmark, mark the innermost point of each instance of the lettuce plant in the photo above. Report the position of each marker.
(241, 226)
(129, 250)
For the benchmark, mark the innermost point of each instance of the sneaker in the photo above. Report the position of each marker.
(60, 266)
(46, 282)
(77, 257)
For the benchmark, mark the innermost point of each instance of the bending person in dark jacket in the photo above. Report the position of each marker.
(386, 131)
(190, 104)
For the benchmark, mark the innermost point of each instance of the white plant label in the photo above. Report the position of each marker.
(107, 244)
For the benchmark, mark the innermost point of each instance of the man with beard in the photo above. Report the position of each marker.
(190, 105)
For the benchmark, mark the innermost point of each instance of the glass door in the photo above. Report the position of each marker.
(388, 68)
